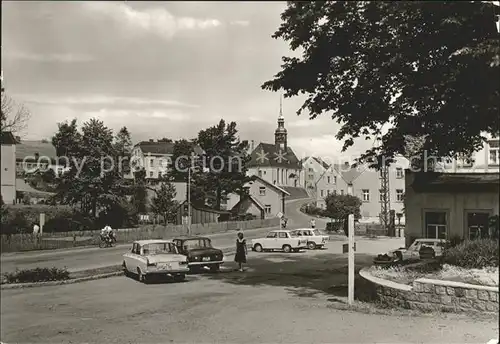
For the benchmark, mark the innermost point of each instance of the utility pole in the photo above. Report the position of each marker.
(189, 201)
(385, 197)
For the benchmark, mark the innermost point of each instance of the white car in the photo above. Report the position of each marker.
(314, 237)
(285, 240)
(413, 252)
(155, 257)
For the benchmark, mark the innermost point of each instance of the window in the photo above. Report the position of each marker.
(328, 192)
(151, 174)
(399, 173)
(152, 162)
(494, 157)
(366, 195)
(267, 209)
(341, 192)
(328, 179)
(311, 170)
(260, 173)
(311, 176)
(282, 235)
(477, 224)
(335, 192)
(321, 193)
(435, 224)
(399, 195)
(262, 190)
(334, 179)
(272, 235)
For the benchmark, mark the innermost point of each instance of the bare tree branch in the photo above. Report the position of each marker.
(14, 117)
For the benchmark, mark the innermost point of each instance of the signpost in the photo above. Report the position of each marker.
(42, 222)
(352, 248)
(280, 214)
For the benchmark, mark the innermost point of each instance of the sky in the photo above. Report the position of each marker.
(162, 69)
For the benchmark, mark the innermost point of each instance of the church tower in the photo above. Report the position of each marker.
(280, 134)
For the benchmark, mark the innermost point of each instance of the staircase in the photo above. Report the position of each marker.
(295, 192)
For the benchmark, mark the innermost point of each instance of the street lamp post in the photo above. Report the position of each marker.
(189, 201)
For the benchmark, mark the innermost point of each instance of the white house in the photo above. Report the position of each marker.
(262, 199)
(8, 167)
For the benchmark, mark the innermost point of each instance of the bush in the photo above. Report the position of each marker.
(474, 254)
(37, 275)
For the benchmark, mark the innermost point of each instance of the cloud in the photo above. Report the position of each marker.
(326, 147)
(108, 114)
(304, 123)
(155, 20)
(98, 100)
(240, 22)
(62, 58)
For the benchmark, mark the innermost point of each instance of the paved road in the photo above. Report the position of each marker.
(279, 299)
(91, 258)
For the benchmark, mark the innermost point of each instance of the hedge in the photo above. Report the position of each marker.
(473, 254)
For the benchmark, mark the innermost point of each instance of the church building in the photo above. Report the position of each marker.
(276, 163)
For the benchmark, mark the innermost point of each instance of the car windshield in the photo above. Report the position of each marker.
(159, 248)
(196, 243)
(316, 232)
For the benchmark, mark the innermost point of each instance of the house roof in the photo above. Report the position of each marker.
(265, 155)
(30, 148)
(162, 148)
(7, 138)
(207, 209)
(275, 187)
(22, 186)
(456, 182)
(244, 200)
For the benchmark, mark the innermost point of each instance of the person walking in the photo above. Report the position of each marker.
(313, 223)
(241, 251)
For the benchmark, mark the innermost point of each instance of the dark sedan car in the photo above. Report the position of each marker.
(200, 253)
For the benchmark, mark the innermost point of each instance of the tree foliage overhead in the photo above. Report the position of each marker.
(425, 68)
(338, 207)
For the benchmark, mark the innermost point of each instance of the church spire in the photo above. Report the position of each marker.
(280, 135)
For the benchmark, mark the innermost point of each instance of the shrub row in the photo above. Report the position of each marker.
(473, 254)
(36, 275)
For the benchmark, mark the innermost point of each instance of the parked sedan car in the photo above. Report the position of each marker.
(155, 257)
(314, 237)
(283, 240)
(200, 252)
(413, 252)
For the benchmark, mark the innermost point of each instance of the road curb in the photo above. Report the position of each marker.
(79, 280)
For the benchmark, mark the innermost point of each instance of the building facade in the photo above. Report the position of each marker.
(33, 155)
(265, 197)
(322, 179)
(155, 157)
(450, 205)
(276, 163)
(8, 160)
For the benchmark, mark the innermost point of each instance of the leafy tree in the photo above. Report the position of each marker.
(164, 203)
(140, 194)
(93, 181)
(3, 211)
(165, 139)
(67, 139)
(226, 157)
(123, 147)
(339, 207)
(426, 68)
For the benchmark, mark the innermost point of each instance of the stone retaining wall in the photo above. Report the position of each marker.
(435, 295)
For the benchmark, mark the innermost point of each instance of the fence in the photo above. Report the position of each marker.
(28, 242)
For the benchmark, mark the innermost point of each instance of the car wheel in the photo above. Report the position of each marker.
(257, 248)
(125, 270)
(215, 268)
(140, 276)
(179, 278)
(311, 245)
(287, 248)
